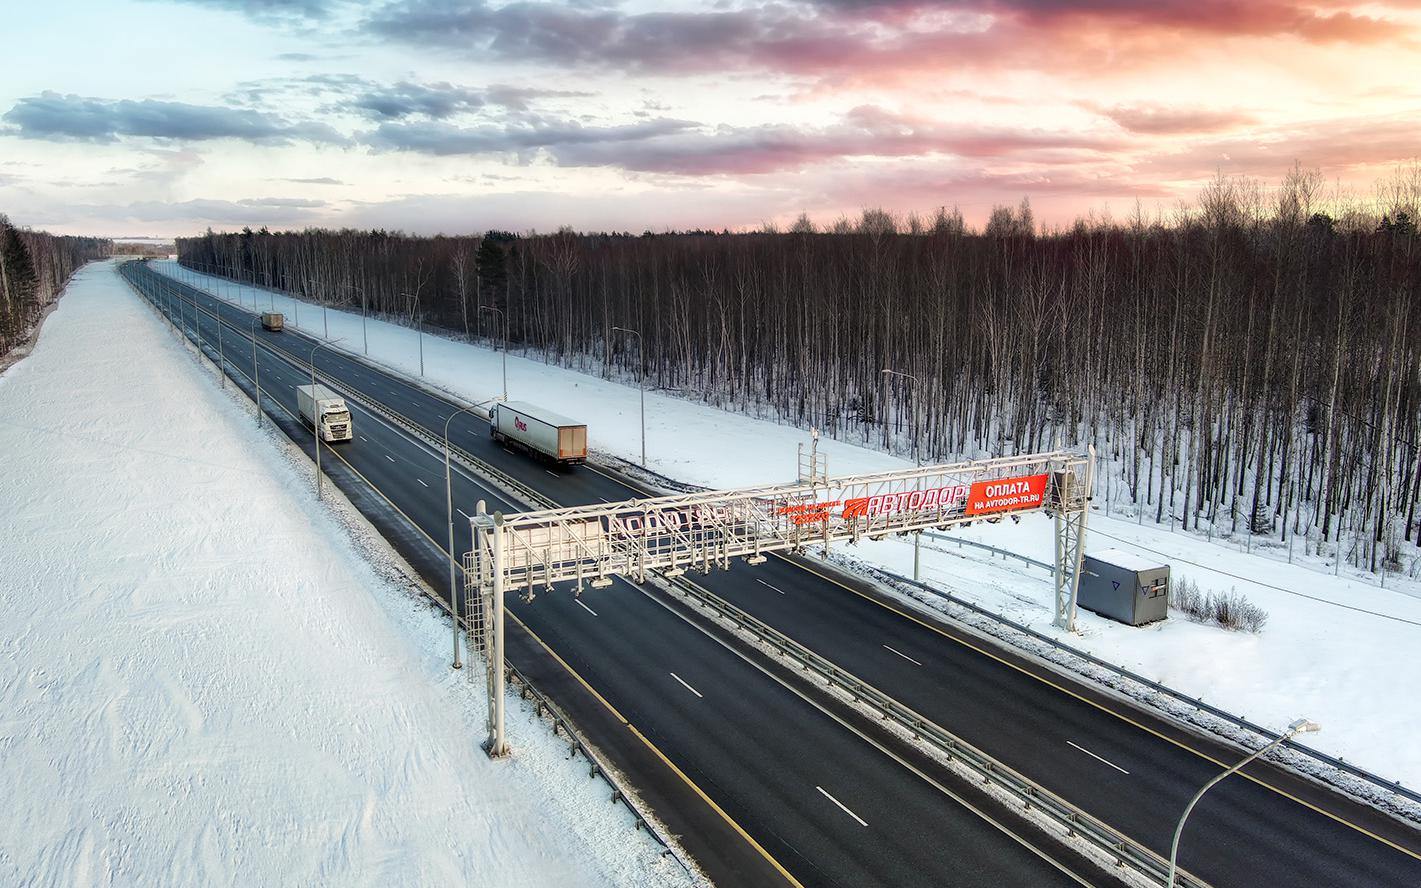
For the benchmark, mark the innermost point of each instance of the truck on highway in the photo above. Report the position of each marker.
(273, 321)
(542, 433)
(325, 412)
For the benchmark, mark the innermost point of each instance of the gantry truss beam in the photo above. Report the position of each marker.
(704, 530)
(671, 534)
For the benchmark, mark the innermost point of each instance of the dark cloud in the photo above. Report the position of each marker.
(665, 145)
(271, 10)
(76, 118)
(297, 57)
(522, 137)
(197, 212)
(405, 99)
(518, 98)
(858, 39)
(392, 101)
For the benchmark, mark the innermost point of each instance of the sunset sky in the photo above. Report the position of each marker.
(130, 117)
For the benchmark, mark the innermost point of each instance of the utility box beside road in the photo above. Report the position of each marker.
(273, 320)
(1124, 586)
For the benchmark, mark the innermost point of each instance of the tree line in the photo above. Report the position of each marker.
(34, 267)
(1248, 363)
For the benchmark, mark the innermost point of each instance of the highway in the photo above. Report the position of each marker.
(824, 804)
(726, 723)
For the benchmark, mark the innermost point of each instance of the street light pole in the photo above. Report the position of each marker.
(449, 508)
(295, 303)
(221, 354)
(503, 321)
(256, 370)
(641, 359)
(1301, 726)
(918, 459)
(316, 422)
(365, 338)
(419, 320)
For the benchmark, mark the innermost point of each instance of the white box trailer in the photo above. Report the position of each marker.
(325, 411)
(540, 432)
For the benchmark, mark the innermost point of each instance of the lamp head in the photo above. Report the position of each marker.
(1303, 726)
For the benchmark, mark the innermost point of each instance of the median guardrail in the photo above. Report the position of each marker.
(1033, 798)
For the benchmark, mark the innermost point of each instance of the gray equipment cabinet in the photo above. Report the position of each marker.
(1124, 586)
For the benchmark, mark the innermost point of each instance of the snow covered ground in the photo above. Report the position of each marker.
(1340, 656)
(205, 679)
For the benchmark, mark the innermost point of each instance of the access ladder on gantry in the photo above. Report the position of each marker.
(672, 534)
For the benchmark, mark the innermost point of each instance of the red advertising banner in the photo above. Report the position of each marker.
(1007, 494)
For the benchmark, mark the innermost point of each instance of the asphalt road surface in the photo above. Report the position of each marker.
(823, 803)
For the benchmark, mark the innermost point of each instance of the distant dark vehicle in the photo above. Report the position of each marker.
(273, 321)
(540, 432)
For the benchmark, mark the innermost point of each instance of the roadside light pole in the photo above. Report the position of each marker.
(641, 359)
(419, 320)
(365, 338)
(295, 303)
(256, 371)
(503, 322)
(918, 459)
(221, 354)
(1301, 726)
(449, 507)
(316, 423)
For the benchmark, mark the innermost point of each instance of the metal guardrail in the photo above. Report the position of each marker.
(943, 538)
(561, 724)
(1126, 852)
(1380, 783)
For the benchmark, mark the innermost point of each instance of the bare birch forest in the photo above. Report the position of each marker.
(1248, 364)
(34, 267)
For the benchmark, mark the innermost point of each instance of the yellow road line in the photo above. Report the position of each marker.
(769, 858)
(1084, 699)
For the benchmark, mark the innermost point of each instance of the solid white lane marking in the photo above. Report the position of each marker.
(841, 805)
(551, 472)
(389, 457)
(421, 481)
(903, 655)
(763, 583)
(1096, 757)
(585, 607)
(686, 686)
(507, 451)
(465, 514)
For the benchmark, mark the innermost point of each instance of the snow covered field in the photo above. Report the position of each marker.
(204, 679)
(1343, 660)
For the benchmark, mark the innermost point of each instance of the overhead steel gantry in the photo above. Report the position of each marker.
(672, 534)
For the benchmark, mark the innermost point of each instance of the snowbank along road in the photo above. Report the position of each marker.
(202, 682)
(788, 776)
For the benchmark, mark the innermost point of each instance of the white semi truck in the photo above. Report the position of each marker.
(325, 411)
(540, 432)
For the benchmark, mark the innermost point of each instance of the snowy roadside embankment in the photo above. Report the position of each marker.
(203, 680)
(1340, 656)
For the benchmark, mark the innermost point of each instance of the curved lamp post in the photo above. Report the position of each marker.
(1301, 726)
